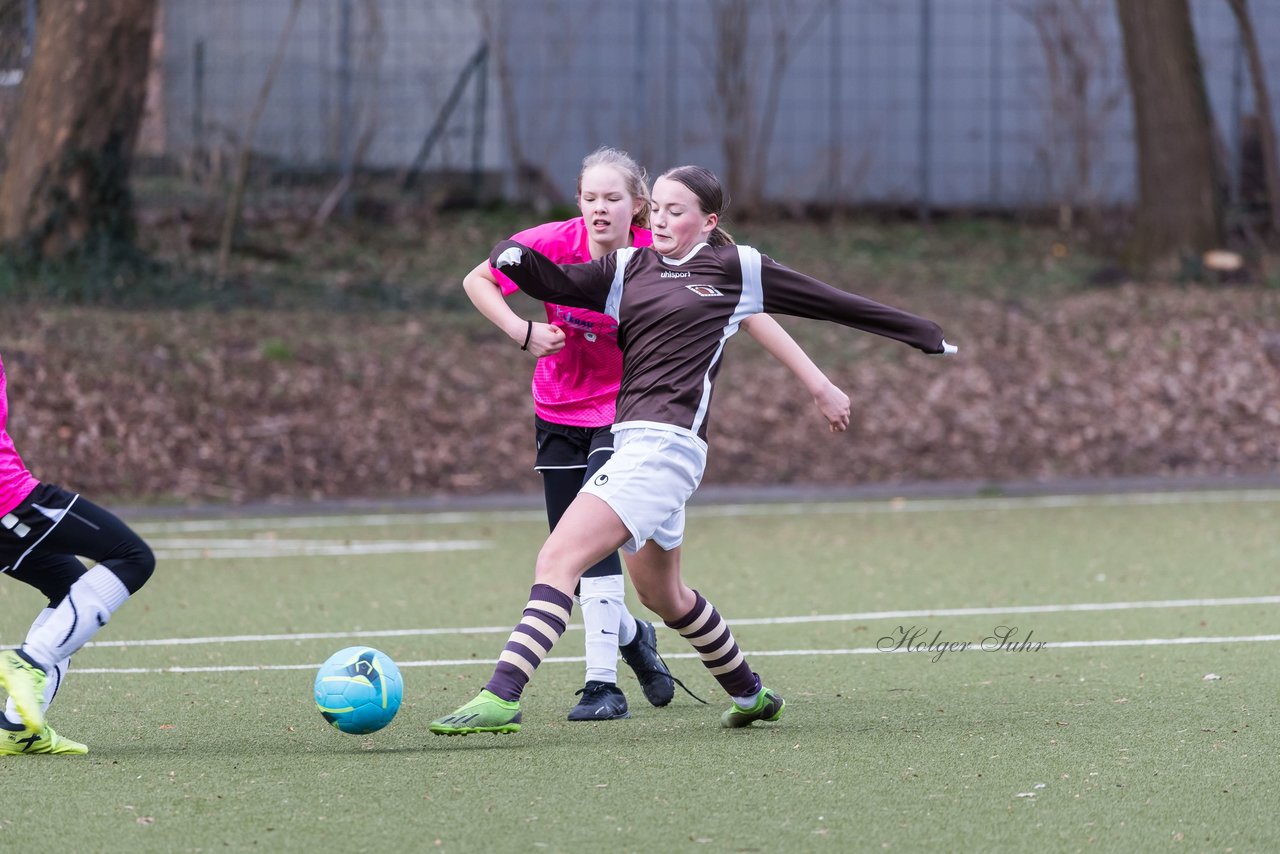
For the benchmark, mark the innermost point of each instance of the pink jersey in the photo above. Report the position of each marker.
(578, 386)
(16, 482)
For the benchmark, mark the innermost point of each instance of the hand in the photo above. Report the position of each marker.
(510, 257)
(947, 349)
(834, 406)
(545, 340)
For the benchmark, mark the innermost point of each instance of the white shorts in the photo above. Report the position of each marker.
(647, 481)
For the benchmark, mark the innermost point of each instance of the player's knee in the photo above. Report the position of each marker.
(135, 566)
(555, 566)
(646, 599)
(659, 600)
(667, 599)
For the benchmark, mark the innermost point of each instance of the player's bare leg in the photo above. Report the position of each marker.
(656, 576)
(587, 532)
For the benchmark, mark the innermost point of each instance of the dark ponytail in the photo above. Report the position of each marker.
(720, 237)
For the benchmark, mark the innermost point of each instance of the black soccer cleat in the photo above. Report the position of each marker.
(642, 656)
(601, 701)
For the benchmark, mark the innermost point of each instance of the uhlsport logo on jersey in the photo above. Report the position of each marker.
(704, 290)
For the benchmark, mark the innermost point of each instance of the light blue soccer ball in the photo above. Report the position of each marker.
(358, 690)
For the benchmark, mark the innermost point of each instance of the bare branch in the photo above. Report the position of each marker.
(1262, 98)
(246, 145)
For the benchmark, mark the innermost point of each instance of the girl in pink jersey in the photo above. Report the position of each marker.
(575, 387)
(677, 303)
(43, 528)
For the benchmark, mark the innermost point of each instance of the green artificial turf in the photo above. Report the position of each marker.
(1132, 739)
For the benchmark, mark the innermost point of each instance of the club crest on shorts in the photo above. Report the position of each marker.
(704, 290)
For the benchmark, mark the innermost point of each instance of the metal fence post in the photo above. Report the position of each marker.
(926, 73)
(672, 105)
(197, 106)
(996, 95)
(1235, 157)
(28, 32)
(645, 152)
(836, 111)
(477, 139)
(346, 129)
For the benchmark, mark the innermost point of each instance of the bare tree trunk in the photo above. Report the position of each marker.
(1179, 209)
(66, 184)
(1267, 125)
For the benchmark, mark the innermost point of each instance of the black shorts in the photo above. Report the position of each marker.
(44, 537)
(23, 527)
(563, 447)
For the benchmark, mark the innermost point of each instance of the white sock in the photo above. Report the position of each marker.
(602, 610)
(53, 679)
(627, 627)
(92, 600)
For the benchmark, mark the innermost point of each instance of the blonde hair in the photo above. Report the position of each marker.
(711, 194)
(632, 173)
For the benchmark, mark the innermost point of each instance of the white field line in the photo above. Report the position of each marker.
(865, 650)
(366, 520)
(801, 508)
(1006, 610)
(179, 549)
(252, 542)
(944, 505)
(736, 510)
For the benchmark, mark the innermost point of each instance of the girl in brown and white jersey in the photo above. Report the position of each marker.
(575, 386)
(676, 304)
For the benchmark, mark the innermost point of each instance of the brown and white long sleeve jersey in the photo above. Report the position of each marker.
(674, 317)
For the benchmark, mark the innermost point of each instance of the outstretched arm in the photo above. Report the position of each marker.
(486, 295)
(578, 285)
(830, 400)
(789, 292)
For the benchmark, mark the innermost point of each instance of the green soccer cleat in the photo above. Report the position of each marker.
(768, 707)
(23, 741)
(486, 713)
(25, 684)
